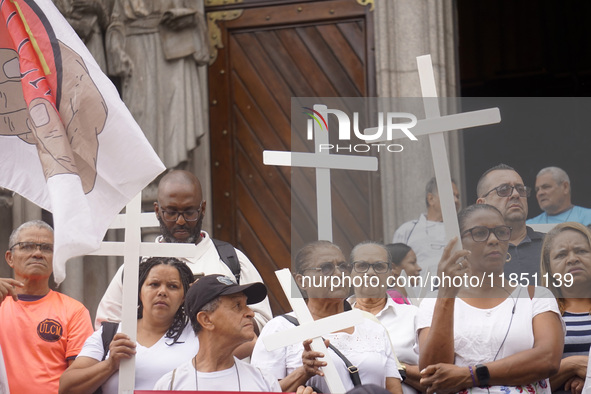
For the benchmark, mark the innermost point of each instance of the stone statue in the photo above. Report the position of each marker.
(89, 18)
(156, 48)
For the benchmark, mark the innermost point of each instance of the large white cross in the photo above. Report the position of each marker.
(435, 125)
(310, 328)
(131, 250)
(323, 162)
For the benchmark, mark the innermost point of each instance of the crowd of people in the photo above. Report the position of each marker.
(202, 322)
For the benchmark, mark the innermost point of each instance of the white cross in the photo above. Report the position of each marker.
(310, 328)
(131, 250)
(323, 162)
(435, 125)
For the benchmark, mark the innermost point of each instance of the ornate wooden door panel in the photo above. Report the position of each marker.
(266, 55)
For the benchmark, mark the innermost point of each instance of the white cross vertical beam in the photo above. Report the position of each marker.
(438, 151)
(310, 328)
(131, 260)
(323, 195)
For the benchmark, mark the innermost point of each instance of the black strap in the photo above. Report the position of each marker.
(109, 331)
(228, 255)
(353, 370)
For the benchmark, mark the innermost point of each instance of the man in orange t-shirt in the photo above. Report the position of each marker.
(41, 331)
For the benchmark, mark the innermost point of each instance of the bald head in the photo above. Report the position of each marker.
(179, 178)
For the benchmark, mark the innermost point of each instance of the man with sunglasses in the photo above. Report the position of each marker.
(42, 330)
(502, 187)
(180, 210)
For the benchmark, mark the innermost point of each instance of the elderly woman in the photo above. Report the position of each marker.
(372, 260)
(566, 271)
(164, 339)
(365, 345)
(490, 338)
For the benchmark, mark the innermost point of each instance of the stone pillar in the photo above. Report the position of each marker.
(405, 29)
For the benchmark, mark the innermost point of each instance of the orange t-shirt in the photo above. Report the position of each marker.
(37, 337)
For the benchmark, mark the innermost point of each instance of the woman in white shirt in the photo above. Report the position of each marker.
(366, 345)
(164, 339)
(490, 337)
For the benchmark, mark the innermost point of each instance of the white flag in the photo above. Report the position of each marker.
(67, 141)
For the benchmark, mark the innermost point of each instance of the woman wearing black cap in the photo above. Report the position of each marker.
(164, 339)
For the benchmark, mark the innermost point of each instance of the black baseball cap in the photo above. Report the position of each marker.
(210, 287)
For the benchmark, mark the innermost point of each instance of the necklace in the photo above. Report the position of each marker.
(567, 217)
(197, 380)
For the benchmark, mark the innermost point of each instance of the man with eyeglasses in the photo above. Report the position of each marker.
(502, 187)
(180, 210)
(42, 330)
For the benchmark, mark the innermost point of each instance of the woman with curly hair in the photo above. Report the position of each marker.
(164, 339)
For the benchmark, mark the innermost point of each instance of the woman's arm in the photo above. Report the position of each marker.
(413, 377)
(310, 367)
(393, 385)
(570, 367)
(86, 374)
(436, 343)
(540, 362)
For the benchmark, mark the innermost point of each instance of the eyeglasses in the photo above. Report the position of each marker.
(30, 247)
(327, 269)
(506, 190)
(379, 267)
(481, 233)
(190, 215)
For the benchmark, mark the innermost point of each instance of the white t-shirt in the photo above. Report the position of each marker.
(401, 322)
(427, 240)
(368, 348)
(206, 261)
(240, 377)
(484, 335)
(150, 363)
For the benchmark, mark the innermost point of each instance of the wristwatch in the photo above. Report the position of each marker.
(402, 372)
(483, 375)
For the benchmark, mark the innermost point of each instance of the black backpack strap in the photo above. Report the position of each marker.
(353, 370)
(228, 255)
(109, 331)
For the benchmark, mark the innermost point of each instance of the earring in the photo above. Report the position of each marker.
(508, 257)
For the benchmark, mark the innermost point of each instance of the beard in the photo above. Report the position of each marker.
(168, 235)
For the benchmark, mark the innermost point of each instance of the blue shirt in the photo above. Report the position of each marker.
(575, 214)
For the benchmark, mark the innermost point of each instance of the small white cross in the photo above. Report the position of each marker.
(131, 250)
(310, 328)
(323, 162)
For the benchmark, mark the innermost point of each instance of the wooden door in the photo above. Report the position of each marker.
(265, 55)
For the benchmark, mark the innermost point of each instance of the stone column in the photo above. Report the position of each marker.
(405, 29)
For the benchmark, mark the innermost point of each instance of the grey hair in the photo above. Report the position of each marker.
(211, 306)
(354, 250)
(558, 174)
(12, 240)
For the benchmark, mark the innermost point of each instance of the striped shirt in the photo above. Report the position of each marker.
(578, 334)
